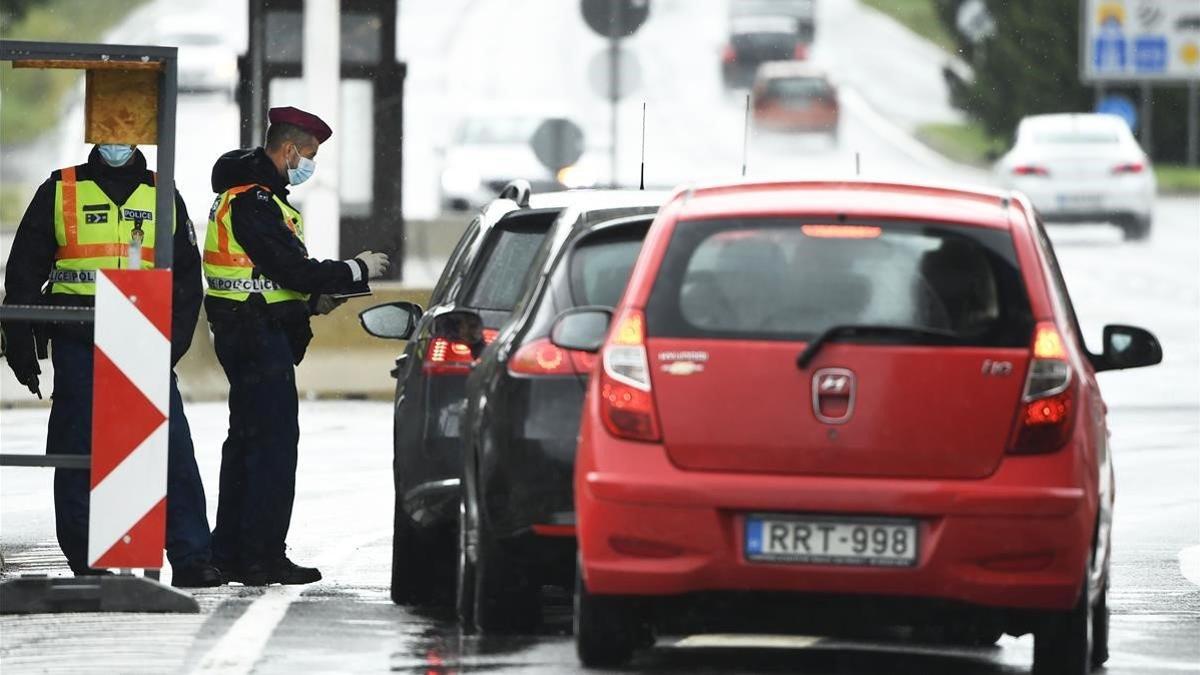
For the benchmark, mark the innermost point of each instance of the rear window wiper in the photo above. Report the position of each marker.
(847, 331)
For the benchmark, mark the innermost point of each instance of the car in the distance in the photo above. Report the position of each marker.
(755, 40)
(790, 96)
(1082, 167)
(207, 62)
(828, 405)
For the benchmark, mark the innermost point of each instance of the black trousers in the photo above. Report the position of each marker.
(258, 460)
(70, 432)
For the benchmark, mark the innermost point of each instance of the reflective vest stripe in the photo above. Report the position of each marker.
(100, 251)
(70, 218)
(223, 234)
(227, 259)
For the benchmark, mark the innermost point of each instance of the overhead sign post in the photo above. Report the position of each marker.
(615, 19)
(1145, 43)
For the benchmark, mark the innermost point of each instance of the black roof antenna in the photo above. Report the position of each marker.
(857, 165)
(642, 181)
(746, 136)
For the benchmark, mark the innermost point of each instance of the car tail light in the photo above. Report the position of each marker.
(728, 55)
(842, 231)
(1046, 417)
(1129, 167)
(800, 53)
(626, 402)
(450, 356)
(1030, 170)
(542, 357)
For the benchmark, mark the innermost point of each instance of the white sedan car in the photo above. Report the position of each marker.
(1082, 168)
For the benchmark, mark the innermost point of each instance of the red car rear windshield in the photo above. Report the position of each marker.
(787, 279)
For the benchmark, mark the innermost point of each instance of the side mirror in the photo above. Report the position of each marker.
(462, 326)
(1128, 347)
(394, 320)
(581, 329)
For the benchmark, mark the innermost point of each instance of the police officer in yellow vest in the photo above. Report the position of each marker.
(262, 289)
(80, 220)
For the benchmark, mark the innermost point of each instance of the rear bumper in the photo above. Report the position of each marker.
(1015, 540)
(1089, 200)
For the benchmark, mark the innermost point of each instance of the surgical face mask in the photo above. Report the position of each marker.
(303, 171)
(115, 154)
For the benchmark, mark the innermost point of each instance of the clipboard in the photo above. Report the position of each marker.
(358, 290)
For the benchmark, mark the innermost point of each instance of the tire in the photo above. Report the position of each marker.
(606, 628)
(413, 578)
(1136, 228)
(464, 596)
(1100, 620)
(1062, 644)
(506, 599)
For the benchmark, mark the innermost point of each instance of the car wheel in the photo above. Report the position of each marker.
(1136, 228)
(606, 628)
(1062, 644)
(506, 599)
(413, 577)
(1100, 617)
(465, 587)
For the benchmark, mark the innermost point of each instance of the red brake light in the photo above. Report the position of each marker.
(542, 357)
(728, 55)
(801, 52)
(449, 356)
(1129, 167)
(626, 401)
(1046, 418)
(1030, 170)
(841, 231)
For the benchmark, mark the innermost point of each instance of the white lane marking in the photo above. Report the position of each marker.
(242, 645)
(738, 641)
(1189, 564)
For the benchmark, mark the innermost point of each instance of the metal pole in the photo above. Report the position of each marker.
(1101, 92)
(322, 85)
(614, 79)
(164, 202)
(258, 84)
(1193, 130)
(746, 136)
(1147, 135)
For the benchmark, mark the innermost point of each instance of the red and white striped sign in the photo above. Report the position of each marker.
(130, 417)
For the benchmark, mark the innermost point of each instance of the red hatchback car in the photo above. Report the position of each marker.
(821, 406)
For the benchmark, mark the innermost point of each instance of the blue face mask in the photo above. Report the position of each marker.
(115, 154)
(303, 171)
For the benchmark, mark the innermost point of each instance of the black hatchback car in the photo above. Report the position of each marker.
(484, 276)
(517, 531)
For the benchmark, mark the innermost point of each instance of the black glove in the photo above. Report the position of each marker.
(20, 351)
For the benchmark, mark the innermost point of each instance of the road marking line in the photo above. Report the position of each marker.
(243, 643)
(735, 640)
(1189, 564)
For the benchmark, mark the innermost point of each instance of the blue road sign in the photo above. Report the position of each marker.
(1108, 49)
(1150, 53)
(1121, 106)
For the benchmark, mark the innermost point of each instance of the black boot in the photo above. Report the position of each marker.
(281, 571)
(196, 575)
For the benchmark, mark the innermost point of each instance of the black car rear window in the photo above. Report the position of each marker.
(504, 263)
(600, 267)
(792, 279)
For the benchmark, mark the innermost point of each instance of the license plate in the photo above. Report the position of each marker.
(885, 542)
(1080, 201)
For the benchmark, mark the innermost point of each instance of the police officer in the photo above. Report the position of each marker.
(262, 289)
(83, 218)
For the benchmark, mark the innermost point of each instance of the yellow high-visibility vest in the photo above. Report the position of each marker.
(228, 271)
(93, 233)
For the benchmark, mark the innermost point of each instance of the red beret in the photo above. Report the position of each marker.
(304, 120)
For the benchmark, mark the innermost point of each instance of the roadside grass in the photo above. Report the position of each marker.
(33, 99)
(970, 144)
(967, 143)
(919, 16)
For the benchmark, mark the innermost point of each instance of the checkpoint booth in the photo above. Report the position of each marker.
(130, 98)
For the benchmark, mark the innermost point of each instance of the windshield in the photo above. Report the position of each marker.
(789, 279)
(506, 264)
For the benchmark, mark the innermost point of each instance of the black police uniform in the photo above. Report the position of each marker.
(29, 265)
(259, 344)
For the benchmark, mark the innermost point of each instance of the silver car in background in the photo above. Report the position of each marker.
(1082, 167)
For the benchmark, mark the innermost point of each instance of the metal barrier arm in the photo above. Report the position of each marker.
(47, 314)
